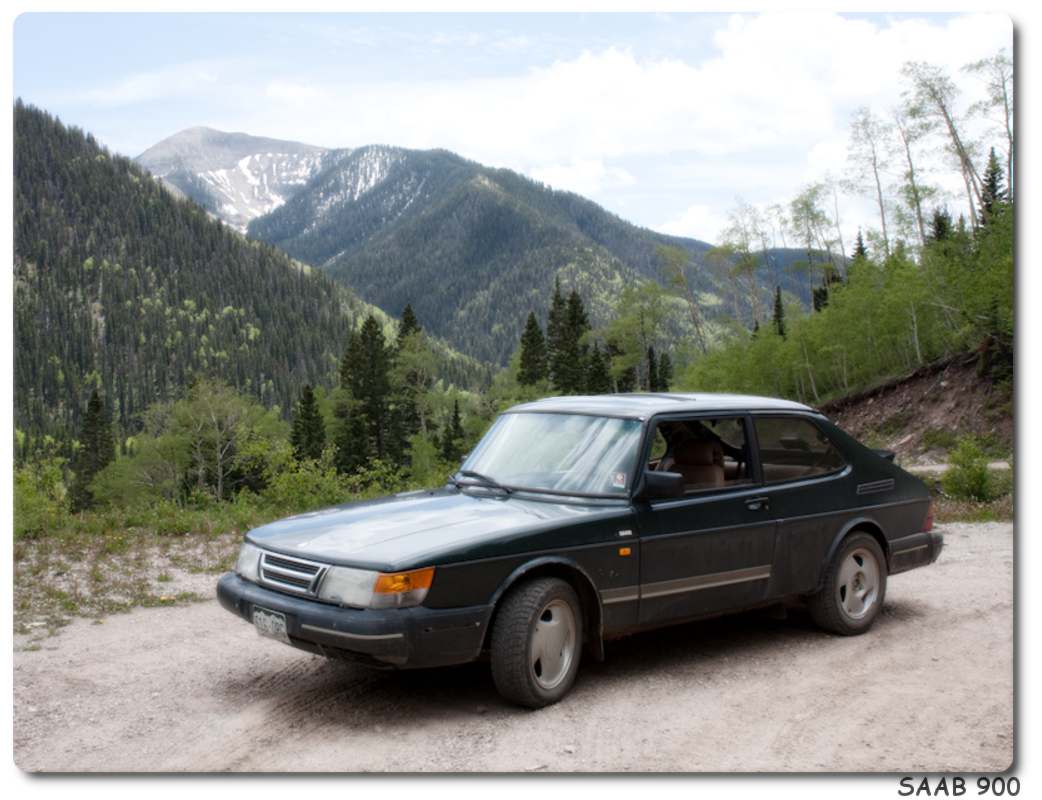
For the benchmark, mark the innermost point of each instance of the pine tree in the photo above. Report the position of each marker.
(940, 225)
(370, 383)
(778, 320)
(860, 251)
(993, 193)
(598, 377)
(556, 334)
(409, 324)
(653, 385)
(351, 363)
(96, 451)
(568, 373)
(350, 438)
(533, 354)
(452, 438)
(308, 435)
(411, 379)
(665, 372)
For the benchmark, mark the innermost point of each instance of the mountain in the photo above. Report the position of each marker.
(472, 248)
(122, 285)
(235, 176)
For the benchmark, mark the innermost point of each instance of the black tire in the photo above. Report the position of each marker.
(517, 676)
(829, 606)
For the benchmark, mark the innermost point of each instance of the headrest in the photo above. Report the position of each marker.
(698, 452)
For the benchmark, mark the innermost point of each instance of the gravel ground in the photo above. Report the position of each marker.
(929, 689)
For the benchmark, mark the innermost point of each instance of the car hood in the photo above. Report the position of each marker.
(416, 528)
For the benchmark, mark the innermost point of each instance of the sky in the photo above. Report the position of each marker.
(668, 120)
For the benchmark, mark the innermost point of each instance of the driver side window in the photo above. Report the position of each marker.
(711, 453)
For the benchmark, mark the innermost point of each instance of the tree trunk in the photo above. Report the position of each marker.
(882, 207)
(917, 206)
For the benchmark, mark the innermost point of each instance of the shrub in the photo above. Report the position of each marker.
(39, 497)
(968, 476)
(305, 485)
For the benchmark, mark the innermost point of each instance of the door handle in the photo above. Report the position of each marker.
(758, 503)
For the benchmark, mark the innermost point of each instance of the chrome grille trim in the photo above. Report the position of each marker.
(291, 574)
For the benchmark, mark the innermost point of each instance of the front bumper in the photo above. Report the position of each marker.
(393, 637)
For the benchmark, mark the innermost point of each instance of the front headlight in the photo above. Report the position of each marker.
(347, 586)
(248, 563)
(361, 588)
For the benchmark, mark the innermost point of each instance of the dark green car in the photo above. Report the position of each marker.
(580, 519)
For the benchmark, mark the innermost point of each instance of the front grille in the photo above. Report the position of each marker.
(291, 574)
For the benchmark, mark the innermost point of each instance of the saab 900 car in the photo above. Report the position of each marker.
(579, 519)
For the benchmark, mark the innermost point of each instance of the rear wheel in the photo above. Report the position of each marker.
(537, 642)
(854, 588)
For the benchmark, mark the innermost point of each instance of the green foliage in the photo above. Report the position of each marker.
(213, 443)
(307, 484)
(427, 467)
(884, 320)
(968, 476)
(40, 502)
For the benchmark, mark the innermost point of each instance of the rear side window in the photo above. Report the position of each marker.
(792, 448)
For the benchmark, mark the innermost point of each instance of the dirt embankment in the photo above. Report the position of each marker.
(921, 416)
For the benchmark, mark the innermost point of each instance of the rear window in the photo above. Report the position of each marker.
(792, 448)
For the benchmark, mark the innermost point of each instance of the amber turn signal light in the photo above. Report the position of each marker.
(398, 582)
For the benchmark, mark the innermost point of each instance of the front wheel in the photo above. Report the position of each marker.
(855, 586)
(537, 642)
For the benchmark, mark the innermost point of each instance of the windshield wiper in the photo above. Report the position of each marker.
(485, 480)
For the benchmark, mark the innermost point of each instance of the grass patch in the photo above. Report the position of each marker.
(948, 509)
(939, 439)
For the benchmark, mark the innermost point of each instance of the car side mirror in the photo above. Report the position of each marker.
(662, 485)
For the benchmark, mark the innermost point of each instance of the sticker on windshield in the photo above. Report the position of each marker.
(618, 480)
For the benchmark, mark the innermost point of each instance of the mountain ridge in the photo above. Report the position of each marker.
(441, 232)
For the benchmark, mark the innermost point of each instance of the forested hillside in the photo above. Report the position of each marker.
(123, 287)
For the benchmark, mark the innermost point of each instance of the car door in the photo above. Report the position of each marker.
(712, 549)
(806, 480)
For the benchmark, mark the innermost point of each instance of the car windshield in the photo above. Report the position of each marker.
(576, 454)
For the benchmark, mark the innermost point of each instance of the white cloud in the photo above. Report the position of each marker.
(778, 80)
(197, 77)
(290, 92)
(698, 221)
(585, 176)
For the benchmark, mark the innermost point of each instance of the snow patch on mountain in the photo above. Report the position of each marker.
(356, 173)
(257, 184)
(236, 176)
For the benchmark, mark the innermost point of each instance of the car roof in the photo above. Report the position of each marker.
(643, 405)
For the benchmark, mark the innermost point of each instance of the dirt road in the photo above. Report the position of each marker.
(193, 688)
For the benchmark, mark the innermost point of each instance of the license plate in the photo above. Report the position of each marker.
(271, 624)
